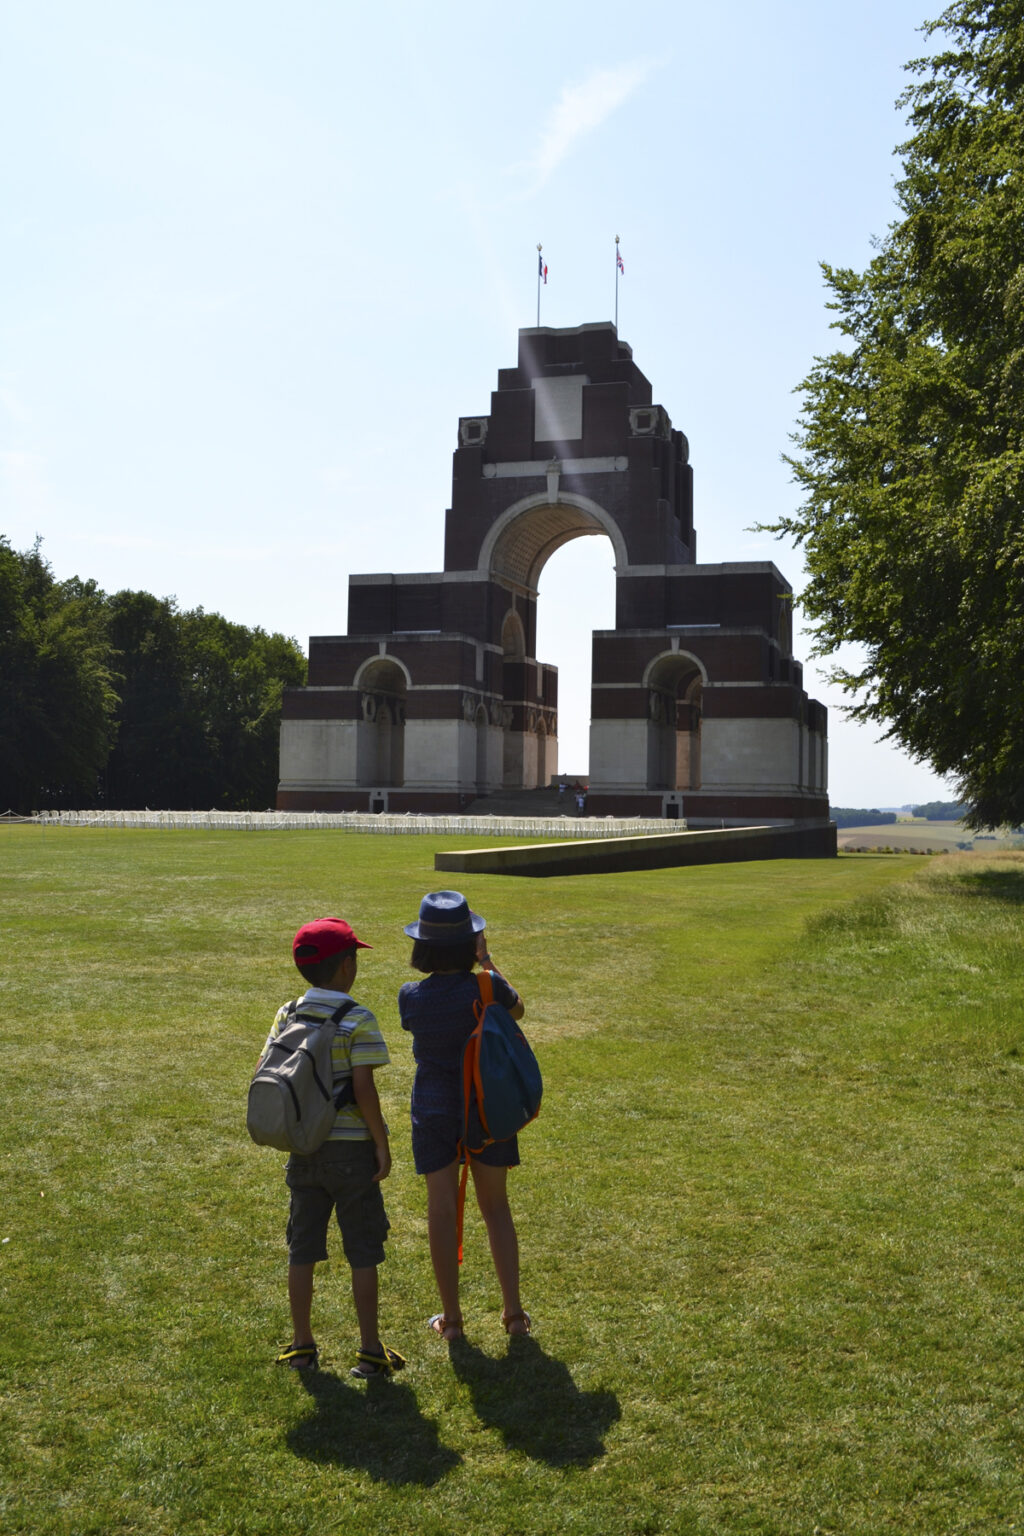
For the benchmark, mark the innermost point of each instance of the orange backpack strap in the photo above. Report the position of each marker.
(461, 1207)
(471, 1076)
(486, 985)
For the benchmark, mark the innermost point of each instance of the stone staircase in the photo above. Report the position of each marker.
(523, 802)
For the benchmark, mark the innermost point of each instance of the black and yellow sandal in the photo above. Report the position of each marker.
(301, 1357)
(369, 1363)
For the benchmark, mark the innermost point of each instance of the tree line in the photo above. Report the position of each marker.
(853, 816)
(124, 701)
(934, 810)
(941, 810)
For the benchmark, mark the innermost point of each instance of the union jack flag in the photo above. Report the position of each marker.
(619, 261)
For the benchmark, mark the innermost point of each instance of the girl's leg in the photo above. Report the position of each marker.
(492, 1198)
(442, 1227)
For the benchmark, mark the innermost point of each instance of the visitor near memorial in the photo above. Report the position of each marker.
(448, 943)
(344, 1175)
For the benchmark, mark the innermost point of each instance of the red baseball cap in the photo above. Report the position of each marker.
(326, 937)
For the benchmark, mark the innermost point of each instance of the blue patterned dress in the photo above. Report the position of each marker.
(438, 1013)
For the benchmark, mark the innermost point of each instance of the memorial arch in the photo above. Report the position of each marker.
(436, 697)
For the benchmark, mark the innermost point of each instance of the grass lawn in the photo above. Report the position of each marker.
(770, 1214)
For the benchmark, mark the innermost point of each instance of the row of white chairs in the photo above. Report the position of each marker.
(385, 823)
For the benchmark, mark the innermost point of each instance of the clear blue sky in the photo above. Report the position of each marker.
(258, 258)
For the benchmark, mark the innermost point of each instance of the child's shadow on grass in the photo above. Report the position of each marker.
(377, 1428)
(534, 1403)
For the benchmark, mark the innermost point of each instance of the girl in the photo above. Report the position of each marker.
(438, 1012)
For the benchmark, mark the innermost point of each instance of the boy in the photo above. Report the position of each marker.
(345, 1173)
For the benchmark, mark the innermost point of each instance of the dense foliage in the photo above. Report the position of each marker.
(941, 810)
(911, 439)
(125, 701)
(845, 816)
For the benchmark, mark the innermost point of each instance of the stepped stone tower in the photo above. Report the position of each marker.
(435, 697)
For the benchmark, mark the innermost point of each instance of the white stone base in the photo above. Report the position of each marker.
(751, 755)
(618, 754)
(318, 752)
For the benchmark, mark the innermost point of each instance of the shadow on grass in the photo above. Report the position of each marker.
(1003, 884)
(534, 1404)
(377, 1428)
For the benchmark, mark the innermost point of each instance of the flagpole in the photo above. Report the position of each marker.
(539, 266)
(616, 283)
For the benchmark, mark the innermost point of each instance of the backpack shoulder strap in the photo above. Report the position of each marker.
(486, 986)
(346, 1093)
(294, 1011)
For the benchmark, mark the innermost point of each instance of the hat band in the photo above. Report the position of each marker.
(462, 927)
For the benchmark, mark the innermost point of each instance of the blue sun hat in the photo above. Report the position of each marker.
(445, 918)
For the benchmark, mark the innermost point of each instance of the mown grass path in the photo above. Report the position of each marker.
(770, 1215)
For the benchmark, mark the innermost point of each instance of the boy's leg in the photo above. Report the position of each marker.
(364, 1228)
(492, 1197)
(442, 1228)
(300, 1300)
(308, 1214)
(364, 1295)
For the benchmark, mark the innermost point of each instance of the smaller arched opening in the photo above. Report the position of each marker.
(675, 686)
(380, 748)
(513, 637)
(513, 684)
(481, 726)
(547, 753)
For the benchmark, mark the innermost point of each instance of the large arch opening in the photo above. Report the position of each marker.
(525, 545)
(526, 535)
(576, 595)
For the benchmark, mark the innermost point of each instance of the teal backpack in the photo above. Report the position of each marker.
(501, 1083)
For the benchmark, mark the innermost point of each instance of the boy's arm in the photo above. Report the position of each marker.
(275, 1030)
(368, 1103)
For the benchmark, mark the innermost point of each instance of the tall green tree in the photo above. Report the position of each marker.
(199, 708)
(57, 698)
(236, 679)
(911, 438)
(160, 752)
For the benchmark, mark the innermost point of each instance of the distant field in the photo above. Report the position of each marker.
(937, 835)
(770, 1213)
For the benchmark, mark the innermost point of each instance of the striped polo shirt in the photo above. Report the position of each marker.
(357, 1042)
